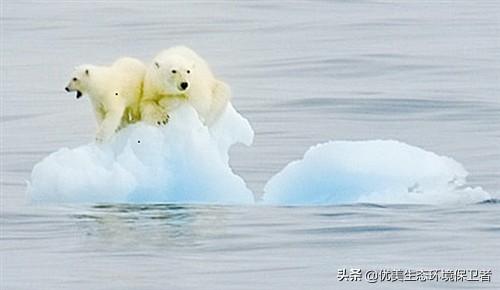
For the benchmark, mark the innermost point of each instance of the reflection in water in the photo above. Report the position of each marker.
(118, 246)
(152, 225)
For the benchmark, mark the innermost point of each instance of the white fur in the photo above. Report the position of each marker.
(163, 90)
(114, 91)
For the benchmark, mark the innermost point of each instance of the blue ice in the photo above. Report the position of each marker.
(374, 171)
(184, 162)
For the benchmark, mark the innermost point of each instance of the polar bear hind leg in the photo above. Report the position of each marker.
(221, 94)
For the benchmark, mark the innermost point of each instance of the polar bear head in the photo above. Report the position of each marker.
(175, 73)
(80, 81)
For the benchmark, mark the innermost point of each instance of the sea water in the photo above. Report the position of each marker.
(302, 73)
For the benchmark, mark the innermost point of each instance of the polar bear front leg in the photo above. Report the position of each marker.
(221, 94)
(170, 103)
(99, 115)
(154, 114)
(98, 111)
(110, 124)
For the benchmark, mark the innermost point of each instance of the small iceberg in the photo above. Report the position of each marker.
(183, 162)
(376, 171)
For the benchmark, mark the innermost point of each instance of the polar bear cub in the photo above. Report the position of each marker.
(179, 75)
(114, 92)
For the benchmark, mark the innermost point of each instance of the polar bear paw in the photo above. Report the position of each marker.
(101, 136)
(157, 117)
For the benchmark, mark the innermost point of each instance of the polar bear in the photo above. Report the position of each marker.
(114, 92)
(179, 75)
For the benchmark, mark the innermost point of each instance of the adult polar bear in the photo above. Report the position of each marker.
(114, 91)
(178, 75)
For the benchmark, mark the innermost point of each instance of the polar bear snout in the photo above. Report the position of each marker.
(70, 88)
(183, 86)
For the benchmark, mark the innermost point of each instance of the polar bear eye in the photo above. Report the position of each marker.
(188, 71)
(174, 71)
(75, 79)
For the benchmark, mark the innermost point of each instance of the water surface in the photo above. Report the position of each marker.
(423, 72)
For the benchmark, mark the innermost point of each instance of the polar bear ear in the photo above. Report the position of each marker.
(157, 64)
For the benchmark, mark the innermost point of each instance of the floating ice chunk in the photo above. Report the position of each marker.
(231, 128)
(375, 171)
(185, 162)
(181, 162)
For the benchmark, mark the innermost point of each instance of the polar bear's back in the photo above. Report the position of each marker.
(129, 66)
(129, 74)
(128, 81)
